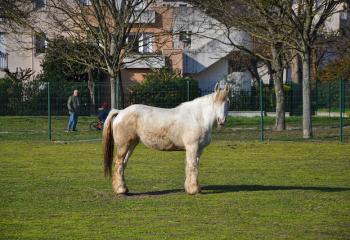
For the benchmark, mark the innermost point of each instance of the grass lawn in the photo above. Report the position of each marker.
(35, 128)
(251, 190)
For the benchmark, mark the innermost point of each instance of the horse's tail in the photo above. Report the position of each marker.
(108, 143)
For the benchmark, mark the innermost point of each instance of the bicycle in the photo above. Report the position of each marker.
(96, 125)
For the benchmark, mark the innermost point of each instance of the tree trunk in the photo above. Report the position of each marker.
(280, 121)
(277, 73)
(120, 95)
(113, 82)
(307, 121)
(254, 72)
(91, 86)
(296, 70)
(116, 89)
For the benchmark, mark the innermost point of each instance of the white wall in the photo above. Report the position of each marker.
(208, 77)
(21, 54)
(240, 80)
(333, 23)
(205, 30)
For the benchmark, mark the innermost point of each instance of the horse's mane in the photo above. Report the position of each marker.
(197, 100)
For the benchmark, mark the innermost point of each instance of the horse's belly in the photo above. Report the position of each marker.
(159, 142)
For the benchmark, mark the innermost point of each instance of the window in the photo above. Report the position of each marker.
(185, 38)
(85, 2)
(139, 5)
(142, 43)
(2, 43)
(145, 43)
(343, 15)
(39, 4)
(134, 44)
(3, 54)
(40, 43)
(2, 15)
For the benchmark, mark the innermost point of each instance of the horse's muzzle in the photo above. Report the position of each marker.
(221, 121)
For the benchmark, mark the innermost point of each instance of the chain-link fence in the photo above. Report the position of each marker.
(38, 110)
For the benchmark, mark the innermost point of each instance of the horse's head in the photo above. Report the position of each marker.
(221, 103)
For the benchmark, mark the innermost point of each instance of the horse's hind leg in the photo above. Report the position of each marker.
(118, 181)
(130, 150)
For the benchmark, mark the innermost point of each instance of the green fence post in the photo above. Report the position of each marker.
(291, 100)
(341, 105)
(48, 112)
(188, 90)
(261, 112)
(316, 97)
(329, 99)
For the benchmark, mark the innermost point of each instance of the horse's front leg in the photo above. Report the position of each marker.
(191, 182)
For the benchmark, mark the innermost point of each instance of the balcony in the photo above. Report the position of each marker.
(3, 60)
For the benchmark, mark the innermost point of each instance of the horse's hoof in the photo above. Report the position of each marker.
(193, 190)
(122, 191)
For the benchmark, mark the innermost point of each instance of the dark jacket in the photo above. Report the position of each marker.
(73, 104)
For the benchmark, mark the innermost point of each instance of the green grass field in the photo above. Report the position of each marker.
(251, 190)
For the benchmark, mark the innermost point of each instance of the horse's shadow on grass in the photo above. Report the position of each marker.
(216, 189)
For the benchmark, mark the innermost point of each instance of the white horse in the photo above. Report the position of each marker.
(186, 127)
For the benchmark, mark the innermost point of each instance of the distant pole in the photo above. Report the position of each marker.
(291, 99)
(48, 112)
(261, 111)
(329, 99)
(316, 108)
(188, 90)
(341, 105)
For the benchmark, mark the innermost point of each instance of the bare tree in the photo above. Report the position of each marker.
(306, 20)
(113, 27)
(263, 22)
(20, 75)
(289, 28)
(108, 24)
(338, 66)
(81, 57)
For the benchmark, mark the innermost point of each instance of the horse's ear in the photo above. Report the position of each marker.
(216, 88)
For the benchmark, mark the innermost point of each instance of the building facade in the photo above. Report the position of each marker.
(175, 35)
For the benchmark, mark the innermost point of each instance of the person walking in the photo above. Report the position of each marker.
(73, 105)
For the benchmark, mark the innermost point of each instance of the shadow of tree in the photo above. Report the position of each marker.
(253, 188)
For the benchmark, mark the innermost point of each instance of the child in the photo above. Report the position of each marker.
(103, 112)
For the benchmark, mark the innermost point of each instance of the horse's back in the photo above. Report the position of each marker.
(157, 128)
(146, 113)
